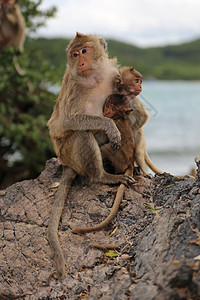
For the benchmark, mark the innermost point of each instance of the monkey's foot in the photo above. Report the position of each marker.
(149, 176)
(127, 180)
(137, 171)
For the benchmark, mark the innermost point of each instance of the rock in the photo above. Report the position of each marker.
(197, 160)
(158, 227)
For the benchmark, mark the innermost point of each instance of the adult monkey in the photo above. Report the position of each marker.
(12, 28)
(12, 25)
(77, 120)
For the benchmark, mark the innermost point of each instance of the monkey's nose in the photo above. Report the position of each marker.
(81, 65)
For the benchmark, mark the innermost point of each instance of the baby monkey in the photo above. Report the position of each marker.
(118, 108)
(129, 83)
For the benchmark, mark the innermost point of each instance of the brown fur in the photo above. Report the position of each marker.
(77, 119)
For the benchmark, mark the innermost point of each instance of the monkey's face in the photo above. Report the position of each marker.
(132, 86)
(115, 109)
(83, 59)
(7, 5)
(109, 110)
(130, 81)
(136, 86)
(84, 54)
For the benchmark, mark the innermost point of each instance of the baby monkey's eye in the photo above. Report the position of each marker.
(138, 80)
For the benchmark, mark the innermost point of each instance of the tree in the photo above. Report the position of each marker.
(26, 103)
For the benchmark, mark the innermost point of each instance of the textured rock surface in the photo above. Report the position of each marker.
(158, 233)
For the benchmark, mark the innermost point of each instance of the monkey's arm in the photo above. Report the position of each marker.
(94, 123)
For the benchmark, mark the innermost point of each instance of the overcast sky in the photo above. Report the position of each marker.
(140, 22)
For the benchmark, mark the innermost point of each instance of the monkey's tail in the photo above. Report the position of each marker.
(110, 217)
(156, 170)
(151, 165)
(17, 66)
(66, 180)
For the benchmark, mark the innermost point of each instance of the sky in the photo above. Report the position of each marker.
(143, 23)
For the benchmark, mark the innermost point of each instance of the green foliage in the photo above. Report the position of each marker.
(169, 62)
(25, 105)
(33, 15)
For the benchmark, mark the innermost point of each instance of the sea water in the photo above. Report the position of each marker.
(172, 133)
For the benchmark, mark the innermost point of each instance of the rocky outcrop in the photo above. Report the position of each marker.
(157, 229)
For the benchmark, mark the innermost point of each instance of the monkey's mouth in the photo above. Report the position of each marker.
(87, 72)
(107, 114)
(137, 92)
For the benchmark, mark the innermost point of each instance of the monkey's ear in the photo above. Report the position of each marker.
(128, 111)
(78, 34)
(132, 69)
(103, 42)
(119, 84)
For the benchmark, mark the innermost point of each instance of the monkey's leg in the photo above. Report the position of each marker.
(140, 160)
(66, 180)
(116, 157)
(114, 210)
(88, 161)
(140, 148)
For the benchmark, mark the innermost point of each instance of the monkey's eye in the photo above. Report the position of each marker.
(107, 105)
(75, 54)
(113, 108)
(84, 50)
(136, 80)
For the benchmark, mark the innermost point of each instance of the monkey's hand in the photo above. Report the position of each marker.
(114, 137)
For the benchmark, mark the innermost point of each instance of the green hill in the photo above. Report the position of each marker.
(167, 62)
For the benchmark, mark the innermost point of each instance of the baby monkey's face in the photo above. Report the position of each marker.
(116, 106)
(133, 86)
